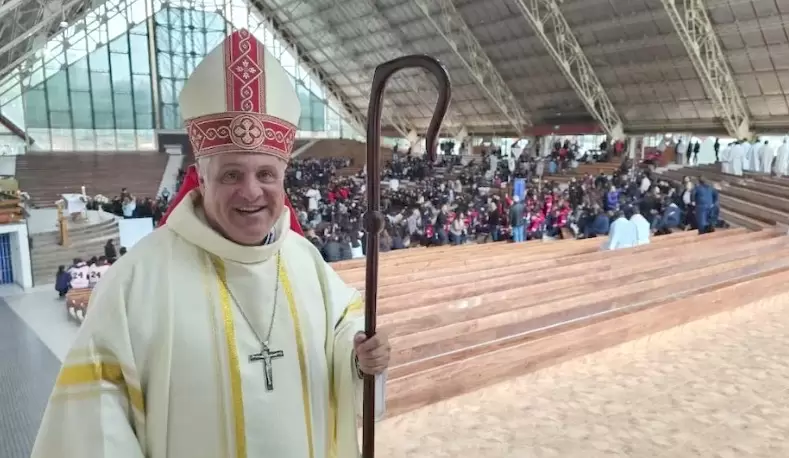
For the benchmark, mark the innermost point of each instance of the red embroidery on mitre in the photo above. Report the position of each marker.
(234, 132)
(245, 126)
(245, 75)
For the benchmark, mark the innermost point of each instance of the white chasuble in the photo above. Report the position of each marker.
(161, 366)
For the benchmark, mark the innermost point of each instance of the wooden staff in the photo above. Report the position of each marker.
(374, 220)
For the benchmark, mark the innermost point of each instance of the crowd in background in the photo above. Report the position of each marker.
(451, 202)
(127, 206)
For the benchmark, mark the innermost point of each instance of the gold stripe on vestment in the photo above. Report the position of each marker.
(353, 308)
(233, 362)
(305, 391)
(215, 339)
(356, 306)
(97, 372)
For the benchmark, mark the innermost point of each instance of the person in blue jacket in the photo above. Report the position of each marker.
(599, 225)
(706, 199)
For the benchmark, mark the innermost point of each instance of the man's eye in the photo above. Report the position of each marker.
(230, 177)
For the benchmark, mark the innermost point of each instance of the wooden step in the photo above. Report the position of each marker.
(429, 348)
(776, 181)
(738, 220)
(752, 210)
(397, 298)
(517, 255)
(565, 281)
(750, 195)
(560, 254)
(766, 188)
(398, 257)
(444, 278)
(566, 330)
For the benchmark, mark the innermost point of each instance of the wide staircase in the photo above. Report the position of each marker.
(354, 150)
(755, 200)
(46, 177)
(461, 318)
(582, 170)
(47, 254)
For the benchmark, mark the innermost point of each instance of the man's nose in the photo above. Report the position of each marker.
(250, 189)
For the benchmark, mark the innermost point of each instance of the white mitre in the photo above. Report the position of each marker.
(239, 99)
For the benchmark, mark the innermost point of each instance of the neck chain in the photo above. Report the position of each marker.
(273, 309)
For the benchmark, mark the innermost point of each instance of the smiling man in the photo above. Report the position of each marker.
(223, 333)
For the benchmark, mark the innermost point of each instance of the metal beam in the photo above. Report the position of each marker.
(391, 116)
(402, 43)
(450, 25)
(545, 16)
(46, 17)
(8, 6)
(694, 28)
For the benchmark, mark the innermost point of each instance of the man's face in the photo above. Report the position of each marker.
(243, 195)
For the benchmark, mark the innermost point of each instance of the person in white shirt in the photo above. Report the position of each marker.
(98, 270)
(782, 161)
(642, 227)
(313, 195)
(80, 275)
(622, 234)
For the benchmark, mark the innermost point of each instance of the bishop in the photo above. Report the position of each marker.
(168, 362)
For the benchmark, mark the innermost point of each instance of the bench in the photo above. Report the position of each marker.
(443, 350)
(77, 303)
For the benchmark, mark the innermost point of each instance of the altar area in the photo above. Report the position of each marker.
(41, 220)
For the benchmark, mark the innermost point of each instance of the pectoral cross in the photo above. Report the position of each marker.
(267, 356)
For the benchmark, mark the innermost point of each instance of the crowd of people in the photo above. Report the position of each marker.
(450, 202)
(457, 202)
(85, 274)
(126, 205)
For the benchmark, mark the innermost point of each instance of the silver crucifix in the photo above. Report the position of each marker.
(267, 356)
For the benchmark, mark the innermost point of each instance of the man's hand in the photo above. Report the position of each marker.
(372, 354)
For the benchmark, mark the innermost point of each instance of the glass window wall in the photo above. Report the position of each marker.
(91, 86)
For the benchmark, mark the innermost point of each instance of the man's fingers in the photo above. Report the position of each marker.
(372, 343)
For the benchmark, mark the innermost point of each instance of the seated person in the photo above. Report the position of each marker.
(98, 270)
(599, 225)
(641, 224)
(669, 220)
(80, 273)
(622, 233)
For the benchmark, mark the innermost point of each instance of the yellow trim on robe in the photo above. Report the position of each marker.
(305, 391)
(233, 363)
(356, 306)
(97, 372)
(353, 308)
(223, 418)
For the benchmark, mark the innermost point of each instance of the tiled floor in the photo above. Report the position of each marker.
(714, 388)
(27, 372)
(46, 316)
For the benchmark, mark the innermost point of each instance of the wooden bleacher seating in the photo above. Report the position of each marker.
(460, 318)
(754, 201)
(490, 312)
(354, 150)
(582, 170)
(47, 176)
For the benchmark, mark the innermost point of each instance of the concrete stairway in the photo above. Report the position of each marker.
(46, 176)
(354, 150)
(462, 318)
(606, 168)
(84, 242)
